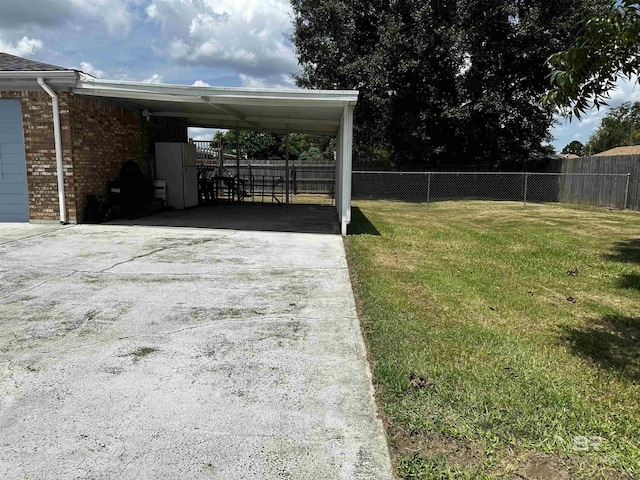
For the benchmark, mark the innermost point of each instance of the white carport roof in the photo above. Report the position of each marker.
(270, 110)
(321, 112)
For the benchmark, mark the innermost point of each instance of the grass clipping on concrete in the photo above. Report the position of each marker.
(505, 341)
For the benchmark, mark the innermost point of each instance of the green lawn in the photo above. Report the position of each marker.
(505, 341)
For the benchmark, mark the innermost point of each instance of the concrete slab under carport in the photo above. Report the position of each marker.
(246, 216)
(138, 352)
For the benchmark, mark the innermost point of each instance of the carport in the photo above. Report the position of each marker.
(319, 112)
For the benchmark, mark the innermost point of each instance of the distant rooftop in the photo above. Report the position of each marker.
(632, 150)
(11, 63)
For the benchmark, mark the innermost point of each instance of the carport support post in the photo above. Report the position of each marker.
(345, 145)
(238, 156)
(337, 187)
(286, 166)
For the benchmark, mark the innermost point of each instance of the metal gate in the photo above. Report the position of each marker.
(14, 201)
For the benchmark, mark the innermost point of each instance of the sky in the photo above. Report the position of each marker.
(192, 42)
(566, 131)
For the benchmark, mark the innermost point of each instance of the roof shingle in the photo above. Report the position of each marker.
(11, 63)
(631, 150)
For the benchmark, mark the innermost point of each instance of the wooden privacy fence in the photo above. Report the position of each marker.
(581, 186)
(310, 179)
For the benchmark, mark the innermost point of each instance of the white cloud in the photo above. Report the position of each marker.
(198, 133)
(22, 48)
(594, 116)
(200, 83)
(91, 70)
(249, 37)
(155, 78)
(271, 81)
(117, 15)
(625, 91)
(28, 16)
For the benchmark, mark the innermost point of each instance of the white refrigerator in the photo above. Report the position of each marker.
(176, 164)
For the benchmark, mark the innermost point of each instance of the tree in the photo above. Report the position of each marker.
(337, 44)
(606, 49)
(447, 82)
(507, 42)
(574, 148)
(265, 146)
(620, 127)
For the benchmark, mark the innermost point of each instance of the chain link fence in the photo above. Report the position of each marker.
(600, 189)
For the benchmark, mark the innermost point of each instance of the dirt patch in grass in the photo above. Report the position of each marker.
(543, 467)
(459, 454)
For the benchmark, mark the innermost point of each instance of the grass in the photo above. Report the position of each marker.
(505, 341)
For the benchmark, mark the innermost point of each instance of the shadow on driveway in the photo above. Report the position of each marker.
(247, 217)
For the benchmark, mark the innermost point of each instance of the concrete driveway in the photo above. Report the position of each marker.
(153, 352)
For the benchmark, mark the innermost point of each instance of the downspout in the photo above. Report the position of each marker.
(58, 146)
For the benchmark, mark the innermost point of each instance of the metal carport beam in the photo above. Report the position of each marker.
(230, 111)
(294, 121)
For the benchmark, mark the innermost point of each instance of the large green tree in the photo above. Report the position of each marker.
(620, 127)
(442, 82)
(338, 46)
(606, 49)
(575, 148)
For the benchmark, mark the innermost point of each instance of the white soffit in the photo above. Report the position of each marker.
(277, 110)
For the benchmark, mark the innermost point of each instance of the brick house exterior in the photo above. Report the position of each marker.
(97, 138)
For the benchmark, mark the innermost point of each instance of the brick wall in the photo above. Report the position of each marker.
(103, 138)
(97, 138)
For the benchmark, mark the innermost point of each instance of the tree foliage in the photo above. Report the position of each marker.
(444, 82)
(265, 146)
(606, 49)
(575, 148)
(619, 128)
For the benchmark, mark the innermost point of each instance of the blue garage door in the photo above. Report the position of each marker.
(14, 201)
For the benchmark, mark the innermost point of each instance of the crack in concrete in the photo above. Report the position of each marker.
(21, 292)
(162, 249)
(9, 242)
(148, 254)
